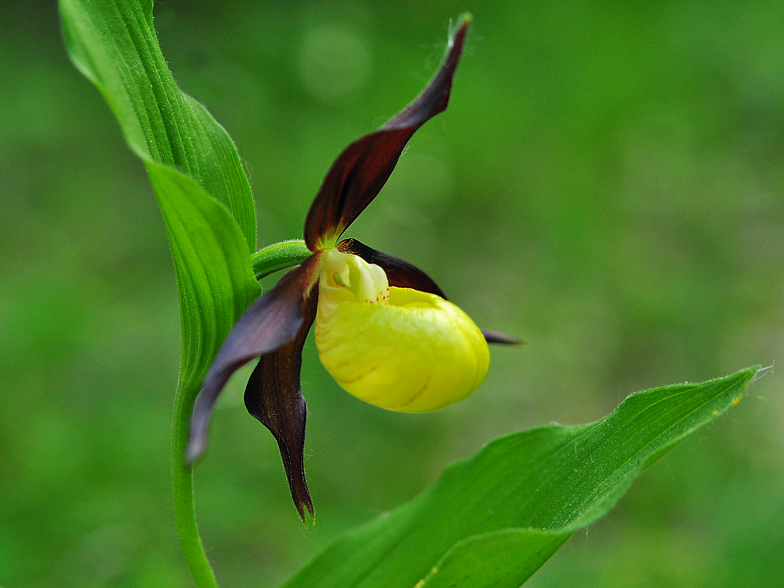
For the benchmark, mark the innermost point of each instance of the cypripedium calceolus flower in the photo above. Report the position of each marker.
(384, 330)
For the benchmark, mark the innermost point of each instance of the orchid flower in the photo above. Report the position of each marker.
(384, 329)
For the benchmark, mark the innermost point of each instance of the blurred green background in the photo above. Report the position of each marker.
(607, 184)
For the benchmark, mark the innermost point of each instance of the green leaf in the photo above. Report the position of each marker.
(215, 285)
(495, 518)
(215, 279)
(203, 194)
(113, 43)
(193, 165)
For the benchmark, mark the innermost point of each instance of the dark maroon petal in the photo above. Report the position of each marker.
(501, 338)
(274, 396)
(273, 320)
(364, 167)
(400, 274)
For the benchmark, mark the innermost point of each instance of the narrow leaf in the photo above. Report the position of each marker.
(215, 281)
(113, 43)
(192, 163)
(501, 559)
(518, 499)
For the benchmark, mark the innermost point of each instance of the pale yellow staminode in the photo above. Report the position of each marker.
(396, 348)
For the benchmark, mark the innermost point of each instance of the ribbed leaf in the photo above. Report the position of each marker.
(113, 43)
(495, 518)
(214, 275)
(192, 163)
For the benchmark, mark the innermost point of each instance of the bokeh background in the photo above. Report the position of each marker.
(607, 184)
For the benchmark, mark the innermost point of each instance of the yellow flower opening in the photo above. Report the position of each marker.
(397, 348)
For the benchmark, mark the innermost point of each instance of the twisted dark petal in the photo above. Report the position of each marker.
(501, 338)
(402, 274)
(270, 322)
(274, 396)
(364, 167)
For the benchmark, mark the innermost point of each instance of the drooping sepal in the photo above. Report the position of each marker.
(363, 168)
(270, 322)
(499, 338)
(274, 396)
(400, 273)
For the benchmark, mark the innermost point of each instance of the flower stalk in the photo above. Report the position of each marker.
(279, 256)
(182, 491)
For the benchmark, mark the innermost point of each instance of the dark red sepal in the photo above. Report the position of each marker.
(363, 168)
(500, 338)
(274, 396)
(400, 273)
(270, 322)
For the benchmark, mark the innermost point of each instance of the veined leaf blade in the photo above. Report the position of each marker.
(113, 43)
(215, 282)
(531, 488)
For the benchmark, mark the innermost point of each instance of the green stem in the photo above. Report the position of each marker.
(279, 256)
(265, 262)
(182, 489)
